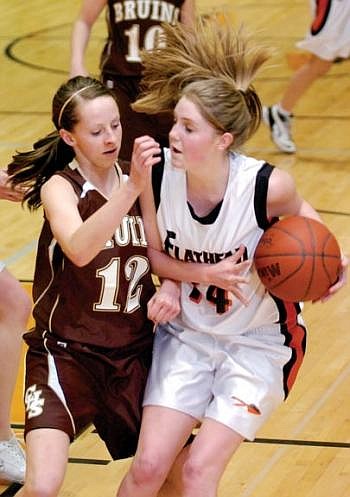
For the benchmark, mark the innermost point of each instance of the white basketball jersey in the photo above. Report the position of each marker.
(241, 220)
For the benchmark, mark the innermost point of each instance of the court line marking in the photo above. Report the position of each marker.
(22, 252)
(252, 485)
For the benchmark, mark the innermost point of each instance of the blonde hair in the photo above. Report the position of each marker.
(211, 64)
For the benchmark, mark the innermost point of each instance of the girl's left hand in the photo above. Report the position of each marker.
(341, 281)
(164, 306)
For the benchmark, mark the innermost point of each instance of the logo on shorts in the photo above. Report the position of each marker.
(34, 402)
(250, 407)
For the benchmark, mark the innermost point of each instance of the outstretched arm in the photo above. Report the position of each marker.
(188, 12)
(82, 240)
(89, 12)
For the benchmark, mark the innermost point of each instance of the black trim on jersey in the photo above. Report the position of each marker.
(209, 218)
(282, 309)
(283, 321)
(260, 196)
(157, 178)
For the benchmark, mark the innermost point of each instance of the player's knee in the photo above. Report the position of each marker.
(194, 476)
(40, 488)
(148, 468)
(322, 70)
(320, 67)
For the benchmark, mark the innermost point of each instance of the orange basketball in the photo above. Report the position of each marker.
(298, 259)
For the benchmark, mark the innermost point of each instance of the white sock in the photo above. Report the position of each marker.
(282, 111)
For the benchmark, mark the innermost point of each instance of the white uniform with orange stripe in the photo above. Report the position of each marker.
(329, 34)
(219, 358)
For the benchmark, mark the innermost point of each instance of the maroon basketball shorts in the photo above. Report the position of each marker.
(70, 385)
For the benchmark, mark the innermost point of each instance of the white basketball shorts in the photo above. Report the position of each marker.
(236, 380)
(329, 34)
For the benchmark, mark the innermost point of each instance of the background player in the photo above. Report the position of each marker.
(15, 306)
(132, 26)
(328, 40)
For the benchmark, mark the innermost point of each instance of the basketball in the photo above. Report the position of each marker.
(298, 259)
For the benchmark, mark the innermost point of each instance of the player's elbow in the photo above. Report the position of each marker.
(78, 257)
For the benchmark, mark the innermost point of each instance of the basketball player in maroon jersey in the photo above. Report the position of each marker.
(91, 346)
(132, 27)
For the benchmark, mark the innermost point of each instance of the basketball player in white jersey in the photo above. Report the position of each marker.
(328, 40)
(232, 354)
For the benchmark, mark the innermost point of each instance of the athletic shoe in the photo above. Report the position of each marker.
(12, 461)
(280, 127)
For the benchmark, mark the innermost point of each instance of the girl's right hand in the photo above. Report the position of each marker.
(229, 274)
(145, 154)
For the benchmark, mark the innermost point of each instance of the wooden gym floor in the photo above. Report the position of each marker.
(304, 450)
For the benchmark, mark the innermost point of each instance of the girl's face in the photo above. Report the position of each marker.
(193, 140)
(96, 138)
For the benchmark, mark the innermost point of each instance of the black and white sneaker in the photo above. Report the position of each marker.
(280, 127)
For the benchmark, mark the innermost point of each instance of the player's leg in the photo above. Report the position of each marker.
(207, 458)
(15, 308)
(279, 116)
(302, 79)
(164, 433)
(56, 383)
(247, 387)
(47, 457)
(181, 378)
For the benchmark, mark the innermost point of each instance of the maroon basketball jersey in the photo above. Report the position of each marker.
(103, 303)
(134, 25)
